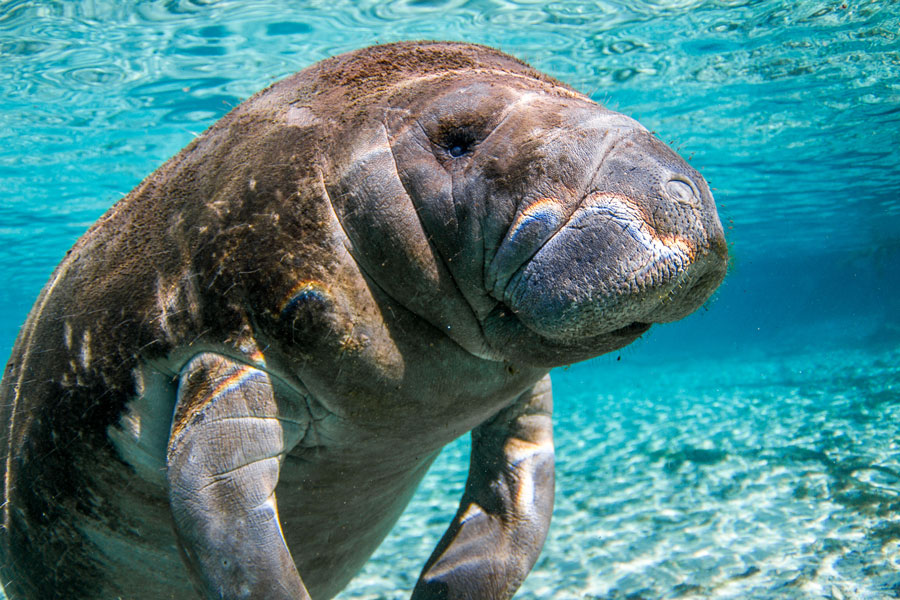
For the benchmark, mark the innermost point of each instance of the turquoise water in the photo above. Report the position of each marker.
(750, 451)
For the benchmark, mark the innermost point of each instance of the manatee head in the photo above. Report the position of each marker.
(524, 220)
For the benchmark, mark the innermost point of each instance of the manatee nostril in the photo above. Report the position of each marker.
(682, 190)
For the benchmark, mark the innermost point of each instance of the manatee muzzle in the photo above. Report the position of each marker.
(604, 269)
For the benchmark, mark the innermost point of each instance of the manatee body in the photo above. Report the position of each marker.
(233, 383)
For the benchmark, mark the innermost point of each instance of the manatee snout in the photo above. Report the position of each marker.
(644, 245)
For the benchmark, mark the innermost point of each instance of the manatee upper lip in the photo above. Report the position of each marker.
(629, 293)
(621, 210)
(537, 224)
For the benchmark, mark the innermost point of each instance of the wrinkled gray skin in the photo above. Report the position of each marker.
(351, 269)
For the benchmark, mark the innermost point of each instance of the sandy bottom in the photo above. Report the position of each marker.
(760, 479)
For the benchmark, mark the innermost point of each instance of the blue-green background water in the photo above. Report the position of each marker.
(748, 451)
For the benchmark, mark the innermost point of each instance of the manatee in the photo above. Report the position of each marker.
(235, 380)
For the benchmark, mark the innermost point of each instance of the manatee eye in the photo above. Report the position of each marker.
(459, 143)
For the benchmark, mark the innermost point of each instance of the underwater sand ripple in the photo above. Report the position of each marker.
(722, 480)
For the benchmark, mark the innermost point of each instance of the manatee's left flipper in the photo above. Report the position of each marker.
(229, 435)
(505, 511)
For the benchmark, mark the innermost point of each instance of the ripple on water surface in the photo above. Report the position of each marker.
(789, 89)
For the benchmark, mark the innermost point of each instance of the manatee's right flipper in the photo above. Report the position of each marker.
(225, 451)
(504, 513)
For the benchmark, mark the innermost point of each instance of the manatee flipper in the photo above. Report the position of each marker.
(504, 514)
(229, 436)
